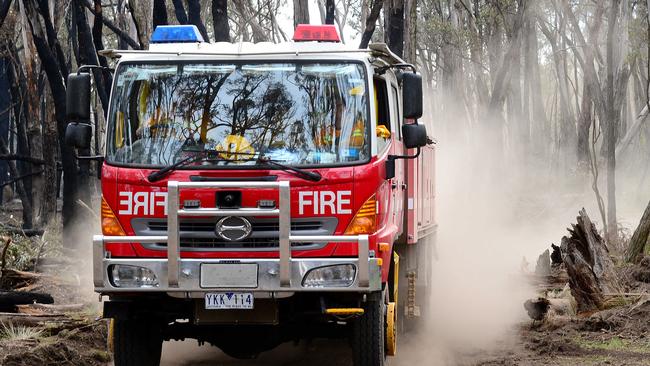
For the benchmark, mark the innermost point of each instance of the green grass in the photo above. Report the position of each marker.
(614, 344)
(12, 332)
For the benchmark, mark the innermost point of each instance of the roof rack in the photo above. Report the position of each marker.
(119, 53)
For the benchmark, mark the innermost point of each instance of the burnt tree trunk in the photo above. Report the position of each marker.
(194, 17)
(584, 127)
(5, 5)
(610, 132)
(394, 26)
(52, 69)
(410, 31)
(588, 264)
(5, 115)
(123, 37)
(18, 88)
(300, 12)
(330, 11)
(159, 13)
(179, 10)
(98, 41)
(22, 192)
(220, 21)
(371, 23)
(87, 56)
(640, 239)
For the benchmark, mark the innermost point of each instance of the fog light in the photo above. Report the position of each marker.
(132, 276)
(340, 275)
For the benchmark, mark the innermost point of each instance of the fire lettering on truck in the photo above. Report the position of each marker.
(324, 202)
(142, 203)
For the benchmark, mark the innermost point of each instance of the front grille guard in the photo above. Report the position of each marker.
(285, 238)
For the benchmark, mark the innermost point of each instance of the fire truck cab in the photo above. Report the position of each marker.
(254, 194)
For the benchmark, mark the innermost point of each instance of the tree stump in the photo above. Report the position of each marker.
(640, 240)
(543, 267)
(590, 269)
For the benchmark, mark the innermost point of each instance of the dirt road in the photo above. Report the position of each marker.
(412, 350)
(319, 353)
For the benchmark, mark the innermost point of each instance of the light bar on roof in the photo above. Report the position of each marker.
(309, 32)
(176, 34)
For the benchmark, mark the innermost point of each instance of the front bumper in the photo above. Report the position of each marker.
(268, 284)
(181, 277)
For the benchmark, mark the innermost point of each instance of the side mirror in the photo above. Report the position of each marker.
(411, 95)
(414, 135)
(78, 135)
(78, 98)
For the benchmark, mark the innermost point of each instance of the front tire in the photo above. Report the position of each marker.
(136, 342)
(368, 333)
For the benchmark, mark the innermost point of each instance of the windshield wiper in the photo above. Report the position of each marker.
(304, 174)
(159, 174)
(205, 154)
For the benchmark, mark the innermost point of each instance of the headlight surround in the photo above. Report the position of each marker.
(338, 275)
(127, 276)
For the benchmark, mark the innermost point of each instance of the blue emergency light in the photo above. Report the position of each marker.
(176, 34)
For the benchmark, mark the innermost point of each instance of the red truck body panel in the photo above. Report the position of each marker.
(345, 189)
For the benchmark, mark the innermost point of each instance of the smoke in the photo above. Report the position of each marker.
(498, 209)
(86, 224)
(496, 215)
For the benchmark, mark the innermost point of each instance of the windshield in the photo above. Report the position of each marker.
(294, 113)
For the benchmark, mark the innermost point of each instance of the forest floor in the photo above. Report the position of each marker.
(619, 335)
(68, 332)
(71, 331)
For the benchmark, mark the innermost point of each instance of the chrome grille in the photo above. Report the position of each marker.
(199, 234)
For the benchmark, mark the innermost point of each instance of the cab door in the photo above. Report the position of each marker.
(398, 183)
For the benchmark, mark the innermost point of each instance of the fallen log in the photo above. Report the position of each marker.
(30, 320)
(589, 267)
(16, 230)
(50, 308)
(9, 299)
(11, 279)
(54, 323)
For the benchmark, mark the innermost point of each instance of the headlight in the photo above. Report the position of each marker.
(340, 275)
(123, 275)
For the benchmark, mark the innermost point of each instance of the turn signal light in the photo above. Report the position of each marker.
(365, 221)
(110, 225)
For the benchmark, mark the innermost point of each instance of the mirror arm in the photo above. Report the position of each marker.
(99, 67)
(395, 157)
(98, 158)
(382, 70)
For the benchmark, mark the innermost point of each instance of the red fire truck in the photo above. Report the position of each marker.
(254, 194)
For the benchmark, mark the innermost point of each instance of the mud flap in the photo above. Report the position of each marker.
(391, 329)
(110, 337)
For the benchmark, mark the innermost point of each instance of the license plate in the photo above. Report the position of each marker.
(229, 275)
(229, 300)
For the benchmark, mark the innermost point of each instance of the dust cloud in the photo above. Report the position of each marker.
(86, 225)
(496, 215)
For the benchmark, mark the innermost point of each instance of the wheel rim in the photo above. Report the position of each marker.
(391, 331)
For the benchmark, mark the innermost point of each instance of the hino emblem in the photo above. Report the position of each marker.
(233, 228)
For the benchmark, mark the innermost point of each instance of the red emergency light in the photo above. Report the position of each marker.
(309, 32)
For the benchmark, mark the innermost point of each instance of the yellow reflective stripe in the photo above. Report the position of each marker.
(344, 311)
